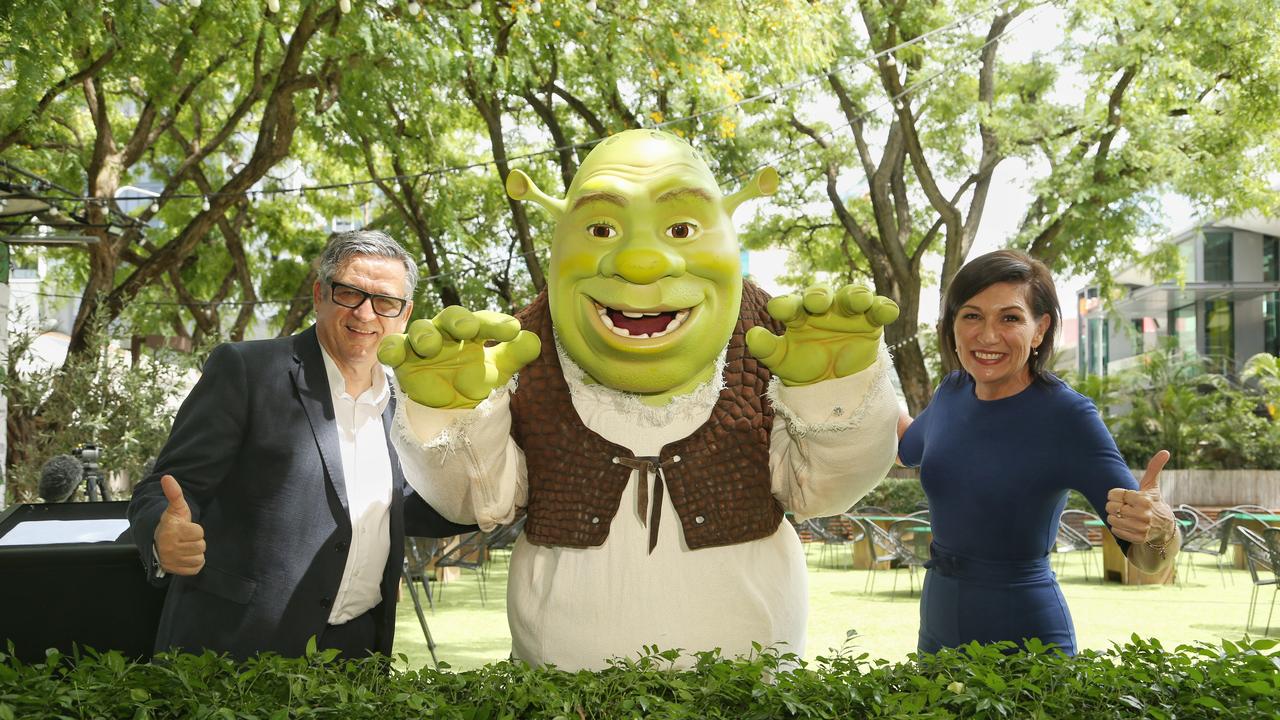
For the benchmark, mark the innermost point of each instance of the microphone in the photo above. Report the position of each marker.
(59, 478)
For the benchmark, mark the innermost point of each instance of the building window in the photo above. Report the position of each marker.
(1182, 325)
(1219, 334)
(1271, 323)
(1217, 257)
(1187, 253)
(1097, 348)
(1270, 258)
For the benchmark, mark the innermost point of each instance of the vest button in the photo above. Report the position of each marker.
(595, 521)
(699, 519)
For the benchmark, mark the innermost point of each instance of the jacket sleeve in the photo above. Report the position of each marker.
(833, 441)
(422, 520)
(207, 434)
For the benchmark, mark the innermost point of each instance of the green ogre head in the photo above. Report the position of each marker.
(645, 278)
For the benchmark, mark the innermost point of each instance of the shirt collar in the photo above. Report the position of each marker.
(377, 394)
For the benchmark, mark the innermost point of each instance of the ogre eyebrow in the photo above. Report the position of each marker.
(599, 196)
(681, 193)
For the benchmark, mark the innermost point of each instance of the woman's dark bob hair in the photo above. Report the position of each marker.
(1011, 266)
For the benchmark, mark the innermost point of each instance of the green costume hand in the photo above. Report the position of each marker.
(829, 334)
(444, 362)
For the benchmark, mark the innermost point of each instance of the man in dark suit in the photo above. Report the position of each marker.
(277, 509)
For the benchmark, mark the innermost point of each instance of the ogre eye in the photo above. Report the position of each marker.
(682, 231)
(603, 231)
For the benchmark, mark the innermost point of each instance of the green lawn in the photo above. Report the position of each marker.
(468, 634)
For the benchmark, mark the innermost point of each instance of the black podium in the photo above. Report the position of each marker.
(68, 576)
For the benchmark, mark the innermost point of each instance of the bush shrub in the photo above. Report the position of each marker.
(1140, 679)
(896, 494)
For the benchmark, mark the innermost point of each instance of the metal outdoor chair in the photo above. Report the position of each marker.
(836, 533)
(502, 538)
(880, 548)
(1214, 540)
(1073, 537)
(1271, 536)
(909, 540)
(1262, 570)
(1246, 510)
(468, 553)
(417, 559)
(869, 510)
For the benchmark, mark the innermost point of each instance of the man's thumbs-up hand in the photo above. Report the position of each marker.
(1142, 515)
(179, 542)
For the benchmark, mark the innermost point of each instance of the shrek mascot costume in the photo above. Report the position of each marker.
(664, 417)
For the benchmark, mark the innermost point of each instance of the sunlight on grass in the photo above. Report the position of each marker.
(1207, 607)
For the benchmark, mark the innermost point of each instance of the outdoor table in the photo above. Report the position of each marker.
(1117, 568)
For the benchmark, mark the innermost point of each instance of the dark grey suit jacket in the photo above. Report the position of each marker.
(255, 448)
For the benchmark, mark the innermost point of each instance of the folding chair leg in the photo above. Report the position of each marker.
(1272, 610)
(422, 620)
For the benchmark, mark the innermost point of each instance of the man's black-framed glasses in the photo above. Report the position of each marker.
(353, 297)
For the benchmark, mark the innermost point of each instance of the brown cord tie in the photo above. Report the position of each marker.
(649, 466)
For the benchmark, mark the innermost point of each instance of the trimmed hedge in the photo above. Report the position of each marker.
(1140, 679)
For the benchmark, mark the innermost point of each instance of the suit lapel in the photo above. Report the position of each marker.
(397, 473)
(312, 383)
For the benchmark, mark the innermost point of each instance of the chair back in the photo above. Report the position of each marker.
(417, 556)
(836, 529)
(1188, 523)
(880, 547)
(504, 536)
(1257, 556)
(1246, 510)
(1070, 540)
(1271, 537)
(1224, 531)
(1074, 520)
(468, 553)
(869, 510)
(1202, 520)
(907, 536)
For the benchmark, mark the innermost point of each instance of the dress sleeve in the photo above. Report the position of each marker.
(832, 441)
(463, 463)
(911, 446)
(1098, 465)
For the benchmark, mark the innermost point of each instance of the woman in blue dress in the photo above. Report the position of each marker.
(998, 447)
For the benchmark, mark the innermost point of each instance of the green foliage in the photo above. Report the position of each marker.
(124, 409)
(896, 494)
(1139, 679)
(1205, 420)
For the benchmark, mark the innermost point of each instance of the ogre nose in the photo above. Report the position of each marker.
(646, 265)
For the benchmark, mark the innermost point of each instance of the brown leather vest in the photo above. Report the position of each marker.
(718, 477)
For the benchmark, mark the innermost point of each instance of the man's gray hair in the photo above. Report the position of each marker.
(345, 246)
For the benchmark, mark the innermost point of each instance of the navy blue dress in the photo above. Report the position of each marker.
(996, 473)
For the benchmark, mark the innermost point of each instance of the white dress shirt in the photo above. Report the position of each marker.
(366, 470)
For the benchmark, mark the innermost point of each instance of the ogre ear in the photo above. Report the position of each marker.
(764, 183)
(521, 187)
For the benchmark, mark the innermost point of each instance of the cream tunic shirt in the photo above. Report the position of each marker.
(578, 607)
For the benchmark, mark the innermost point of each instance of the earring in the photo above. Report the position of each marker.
(1035, 351)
